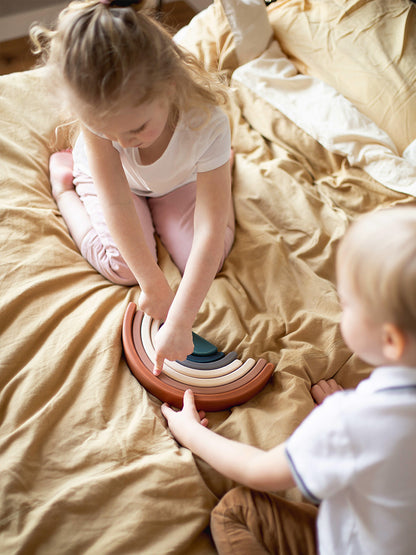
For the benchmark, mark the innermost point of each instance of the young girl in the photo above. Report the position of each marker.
(153, 155)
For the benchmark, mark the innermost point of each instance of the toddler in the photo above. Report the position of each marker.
(355, 454)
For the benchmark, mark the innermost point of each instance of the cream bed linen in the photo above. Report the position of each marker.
(87, 465)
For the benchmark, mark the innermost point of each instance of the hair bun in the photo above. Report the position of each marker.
(120, 3)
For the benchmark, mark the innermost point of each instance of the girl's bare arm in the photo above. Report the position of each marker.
(124, 225)
(212, 210)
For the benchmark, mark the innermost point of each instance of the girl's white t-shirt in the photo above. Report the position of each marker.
(197, 145)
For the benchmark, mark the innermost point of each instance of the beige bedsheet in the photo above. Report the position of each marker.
(86, 462)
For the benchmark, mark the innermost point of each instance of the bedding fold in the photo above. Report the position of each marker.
(88, 465)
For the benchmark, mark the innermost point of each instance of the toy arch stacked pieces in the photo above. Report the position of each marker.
(219, 381)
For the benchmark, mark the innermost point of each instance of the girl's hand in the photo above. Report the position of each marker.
(173, 343)
(156, 302)
(183, 424)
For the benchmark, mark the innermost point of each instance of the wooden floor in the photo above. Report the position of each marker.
(15, 54)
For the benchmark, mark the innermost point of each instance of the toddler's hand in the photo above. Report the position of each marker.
(323, 389)
(171, 343)
(182, 423)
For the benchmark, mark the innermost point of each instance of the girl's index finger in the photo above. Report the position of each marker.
(158, 366)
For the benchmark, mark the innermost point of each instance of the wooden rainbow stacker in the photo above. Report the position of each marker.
(218, 380)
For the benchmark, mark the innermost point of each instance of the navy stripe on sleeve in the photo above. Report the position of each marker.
(300, 483)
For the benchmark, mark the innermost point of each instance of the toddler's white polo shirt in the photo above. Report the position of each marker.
(357, 453)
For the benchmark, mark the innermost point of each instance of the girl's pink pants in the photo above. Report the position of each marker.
(170, 216)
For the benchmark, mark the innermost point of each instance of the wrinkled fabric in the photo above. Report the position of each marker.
(87, 462)
(366, 50)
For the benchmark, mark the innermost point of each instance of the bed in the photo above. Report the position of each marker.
(323, 116)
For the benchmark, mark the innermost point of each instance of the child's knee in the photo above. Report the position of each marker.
(60, 173)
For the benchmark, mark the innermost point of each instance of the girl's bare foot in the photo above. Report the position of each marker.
(61, 173)
(323, 389)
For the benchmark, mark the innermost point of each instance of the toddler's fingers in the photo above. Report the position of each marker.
(190, 408)
(334, 386)
(188, 399)
(323, 389)
(202, 418)
(167, 411)
(189, 403)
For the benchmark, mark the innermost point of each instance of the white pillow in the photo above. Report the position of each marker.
(228, 33)
(250, 26)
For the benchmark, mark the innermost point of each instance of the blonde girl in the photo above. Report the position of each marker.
(153, 155)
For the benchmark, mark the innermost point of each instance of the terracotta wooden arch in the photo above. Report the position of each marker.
(216, 388)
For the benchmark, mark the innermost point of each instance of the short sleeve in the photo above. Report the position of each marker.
(320, 452)
(217, 143)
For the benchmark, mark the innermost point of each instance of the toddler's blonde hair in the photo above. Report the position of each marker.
(108, 56)
(377, 256)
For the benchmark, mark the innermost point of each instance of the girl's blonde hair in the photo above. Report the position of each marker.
(377, 256)
(108, 56)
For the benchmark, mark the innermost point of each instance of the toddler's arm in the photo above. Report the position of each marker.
(261, 470)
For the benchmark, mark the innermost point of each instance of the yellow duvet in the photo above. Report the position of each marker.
(86, 462)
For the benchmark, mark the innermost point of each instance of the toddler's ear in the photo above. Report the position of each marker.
(394, 342)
